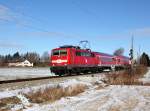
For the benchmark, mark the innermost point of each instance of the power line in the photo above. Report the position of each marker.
(25, 15)
(85, 10)
(25, 25)
(22, 24)
(32, 26)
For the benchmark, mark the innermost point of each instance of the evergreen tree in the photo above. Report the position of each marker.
(144, 59)
(16, 57)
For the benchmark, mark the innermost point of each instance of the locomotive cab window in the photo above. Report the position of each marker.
(55, 53)
(59, 52)
(63, 52)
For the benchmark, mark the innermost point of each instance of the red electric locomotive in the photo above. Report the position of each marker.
(68, 59)
(72, 59)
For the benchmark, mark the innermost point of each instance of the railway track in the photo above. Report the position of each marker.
(42, 78)
(26, 79)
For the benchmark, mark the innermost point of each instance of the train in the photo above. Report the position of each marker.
(69, 59)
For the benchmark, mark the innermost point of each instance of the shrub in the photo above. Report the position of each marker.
(127, 77)
(52, 94)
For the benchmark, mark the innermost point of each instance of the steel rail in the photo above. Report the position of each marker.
(42, 78)
(26, 79)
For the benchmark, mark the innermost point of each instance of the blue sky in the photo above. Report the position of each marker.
(41, 25)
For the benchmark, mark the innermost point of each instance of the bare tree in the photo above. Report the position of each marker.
(2, 60)
(32, 57)
(119, 52)
(45, 57)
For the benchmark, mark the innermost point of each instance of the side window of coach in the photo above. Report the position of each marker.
(86, 54)
(78, 53)
(83, 54)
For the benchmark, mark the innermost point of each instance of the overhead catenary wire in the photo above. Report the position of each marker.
(85, 10)
(15, 21)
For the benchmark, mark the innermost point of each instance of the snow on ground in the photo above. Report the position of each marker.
(72, 82)
(95, 98)
(146, 78)
(111, 98)
(14, 73)
(105, 98)
(19, 93)
(11, 93)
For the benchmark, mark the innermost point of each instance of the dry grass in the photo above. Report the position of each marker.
(41, 96)
(7, 103)
(99, 87)
(127, 77)
(52, 94)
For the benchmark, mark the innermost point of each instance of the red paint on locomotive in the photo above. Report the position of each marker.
(70, 59)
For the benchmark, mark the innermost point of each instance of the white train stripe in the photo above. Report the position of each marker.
(59, 61)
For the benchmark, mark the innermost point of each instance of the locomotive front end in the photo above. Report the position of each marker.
(59, 60)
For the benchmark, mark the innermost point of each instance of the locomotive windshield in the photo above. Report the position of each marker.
(62, 52)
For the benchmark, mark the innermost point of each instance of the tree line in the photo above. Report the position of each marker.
(33, 57)
(141, 60)
(44, 60)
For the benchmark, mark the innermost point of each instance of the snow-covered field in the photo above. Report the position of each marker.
(98, 97)
(15, 73)
(112, 98)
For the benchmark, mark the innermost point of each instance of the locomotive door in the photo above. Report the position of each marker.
(72, 58)
(79, 59)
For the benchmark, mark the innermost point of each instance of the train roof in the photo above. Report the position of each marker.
(104, 54)
(123, 57)
(67, 46)
(70, 46)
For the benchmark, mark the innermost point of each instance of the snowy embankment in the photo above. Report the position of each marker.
(96, 97)
(17, 73)
(19, 98)
(146, 78)
(111, 98)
